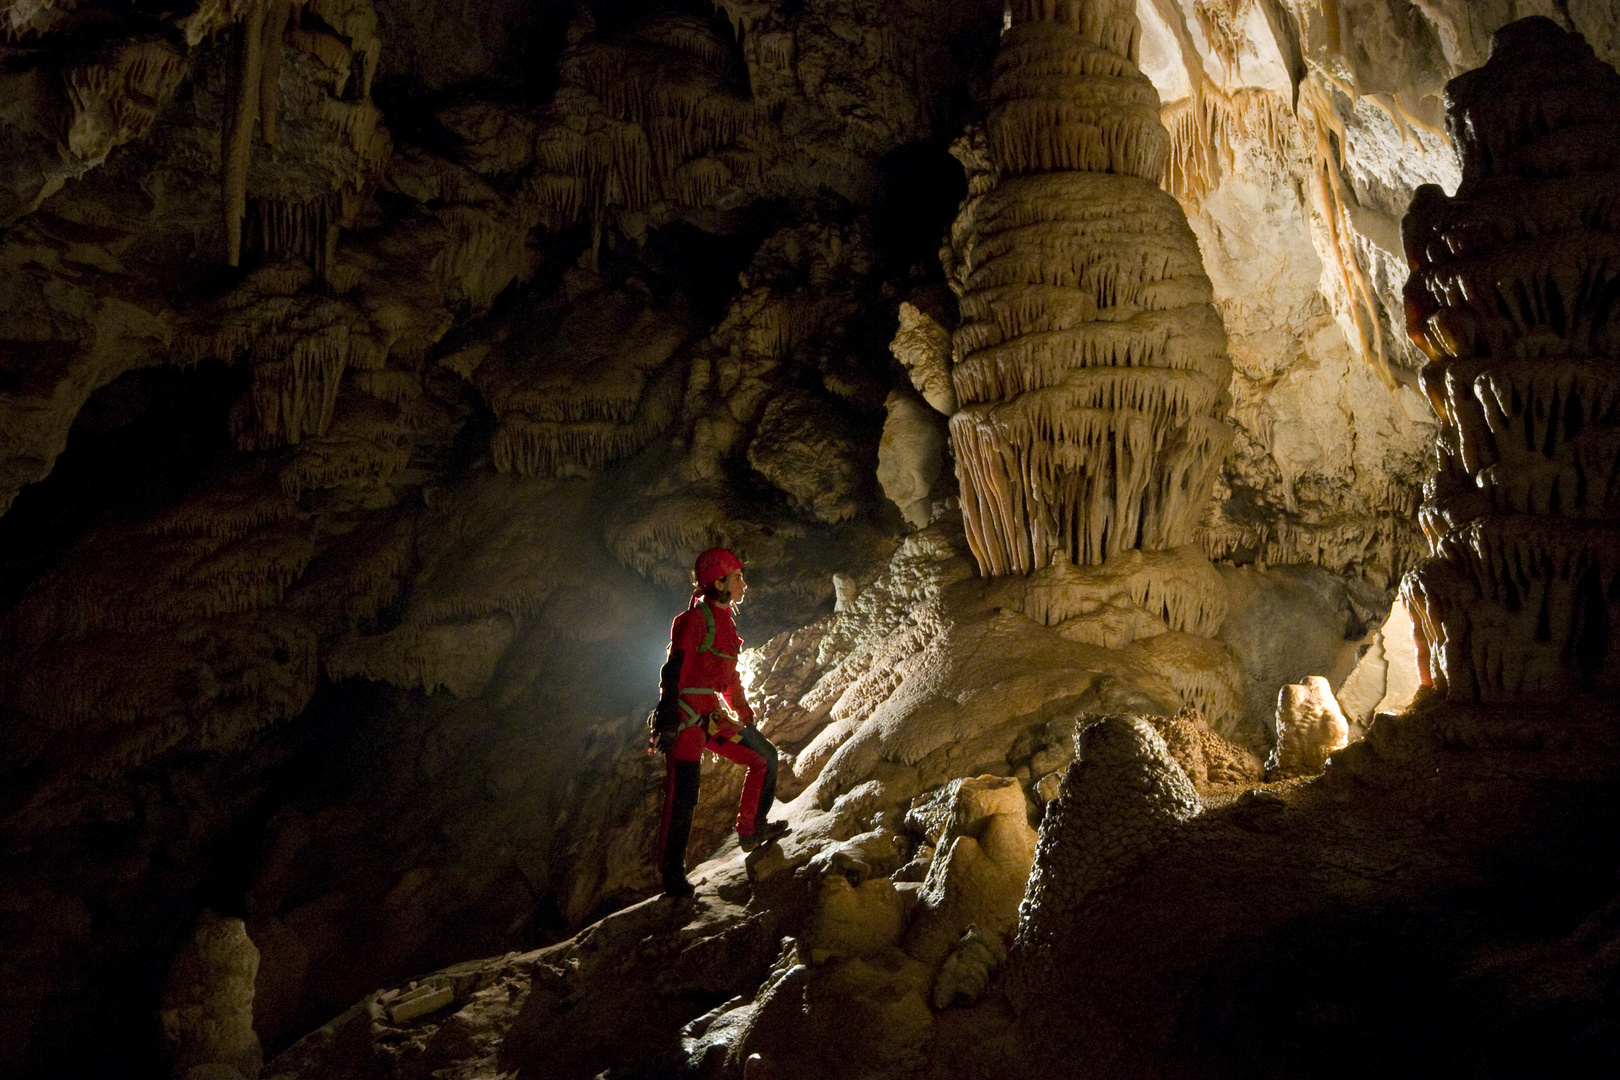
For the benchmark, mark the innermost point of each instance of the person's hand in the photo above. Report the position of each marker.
(663, 725)
(668, 716)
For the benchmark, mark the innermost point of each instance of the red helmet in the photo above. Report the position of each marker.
(713, 565)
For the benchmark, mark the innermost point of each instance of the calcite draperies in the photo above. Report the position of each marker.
(1090, 364)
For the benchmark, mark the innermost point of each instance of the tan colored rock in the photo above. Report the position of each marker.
(985, 849)
(1086, 368)
(1310, 727)
(911, 456)
(207, 1005)
(854, 920)
(589, 393)
(1203, 673)
(968, 970)
(1400, 650)
(806, 446)
(924, 347)
(1208, 759)
(1366, 685)
(962, 806)
(857, 1016)
(1133, 594)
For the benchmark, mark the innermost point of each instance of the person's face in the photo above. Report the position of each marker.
(732, 586)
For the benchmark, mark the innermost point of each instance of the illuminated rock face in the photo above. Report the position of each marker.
(1090, 365)
(1514, 294)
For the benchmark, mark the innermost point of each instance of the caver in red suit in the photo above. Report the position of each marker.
(702, 706)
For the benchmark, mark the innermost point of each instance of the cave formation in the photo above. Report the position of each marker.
(1094, 387)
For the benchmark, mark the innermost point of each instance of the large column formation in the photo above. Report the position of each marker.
(1090, 362)
(1515, 297)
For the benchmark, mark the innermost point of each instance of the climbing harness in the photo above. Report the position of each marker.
(716, 720)
(708, 634)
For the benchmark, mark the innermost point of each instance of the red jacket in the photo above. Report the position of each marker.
(709, 661)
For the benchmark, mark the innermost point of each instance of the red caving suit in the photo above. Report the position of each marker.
(708, 675)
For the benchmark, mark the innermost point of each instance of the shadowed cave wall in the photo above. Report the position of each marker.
(371, 371)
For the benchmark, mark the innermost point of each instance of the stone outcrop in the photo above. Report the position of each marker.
(207, 1010)
(1121, 798)
(1310, 726)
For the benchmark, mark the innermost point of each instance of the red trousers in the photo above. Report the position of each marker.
(689, 746)
(682, 765)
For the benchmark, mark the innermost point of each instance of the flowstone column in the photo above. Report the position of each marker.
(1515, 297)
(1090, 363)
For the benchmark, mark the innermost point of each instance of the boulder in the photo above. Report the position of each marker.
(1310, 726)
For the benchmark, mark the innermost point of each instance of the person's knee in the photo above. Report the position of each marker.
(762, 746)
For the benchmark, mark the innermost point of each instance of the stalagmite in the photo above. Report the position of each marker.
(1513, 297)
(1090, 364)
(1310, 725)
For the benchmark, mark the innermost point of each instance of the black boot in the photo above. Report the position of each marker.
(673, 863)
(765, 834)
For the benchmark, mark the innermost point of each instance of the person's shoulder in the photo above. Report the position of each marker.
(686, 621)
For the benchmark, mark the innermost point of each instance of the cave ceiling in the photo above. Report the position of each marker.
(370, 371)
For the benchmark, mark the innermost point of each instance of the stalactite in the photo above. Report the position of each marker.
(1377, 549)
(299, 347)
(648, 534)
(1222, 22)
(1090, 363)
(262, 29)
(600, 390)
(294, 229)
(239, 123)
(366, 444)
(333, 53)
(1205, 127)
(357, 24)
(1513, 297)
(126, 85)
(661, 122)
(277, 13)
